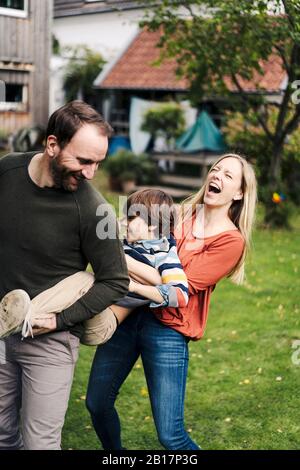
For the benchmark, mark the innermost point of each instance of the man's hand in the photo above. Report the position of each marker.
(44, 325)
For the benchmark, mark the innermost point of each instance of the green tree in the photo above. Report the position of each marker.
(245, 136)
(82, 69)
(221, 41)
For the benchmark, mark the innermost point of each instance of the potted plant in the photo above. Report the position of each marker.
(117, 165)
(146, 170)
(127, 169)
(128, 181)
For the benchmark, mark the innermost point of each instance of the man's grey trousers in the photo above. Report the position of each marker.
(35, 382)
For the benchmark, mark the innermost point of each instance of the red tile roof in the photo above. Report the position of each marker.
(135, 70)
(271, 79)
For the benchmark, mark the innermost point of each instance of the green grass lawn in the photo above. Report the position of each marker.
(243, 389)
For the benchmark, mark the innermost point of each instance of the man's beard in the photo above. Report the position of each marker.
(61, 175)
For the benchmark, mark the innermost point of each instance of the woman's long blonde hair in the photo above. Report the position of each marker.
(241, 212)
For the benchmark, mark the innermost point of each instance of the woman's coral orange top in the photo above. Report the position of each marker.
(205, 261)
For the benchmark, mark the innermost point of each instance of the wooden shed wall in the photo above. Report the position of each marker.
(25, 47)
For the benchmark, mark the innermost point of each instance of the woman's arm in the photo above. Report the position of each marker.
(208, 267)
(142, 273)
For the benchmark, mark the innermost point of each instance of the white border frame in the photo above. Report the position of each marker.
(14, 12)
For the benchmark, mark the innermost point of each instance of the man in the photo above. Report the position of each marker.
(48, 232)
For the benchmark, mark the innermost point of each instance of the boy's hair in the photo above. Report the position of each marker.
(155, 207)
(67, 120)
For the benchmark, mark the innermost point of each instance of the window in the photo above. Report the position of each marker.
(15, 4)
(14, 93)
(15, 98)
(17, 8)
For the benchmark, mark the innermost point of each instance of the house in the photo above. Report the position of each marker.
(25, 42)
(105, 26)
(134, 79)
(135, 75)
(111, 27)
(102, 25)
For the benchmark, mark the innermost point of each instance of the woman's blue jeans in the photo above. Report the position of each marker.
(164, 353)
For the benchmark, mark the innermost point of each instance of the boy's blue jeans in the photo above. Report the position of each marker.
(164, 353)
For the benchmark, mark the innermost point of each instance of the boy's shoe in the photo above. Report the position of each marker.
(14, 307)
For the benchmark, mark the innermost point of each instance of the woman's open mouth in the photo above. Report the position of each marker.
(214, 188)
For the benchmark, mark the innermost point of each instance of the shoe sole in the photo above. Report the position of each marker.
(10, 323)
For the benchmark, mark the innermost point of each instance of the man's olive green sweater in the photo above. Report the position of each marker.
(47, 234)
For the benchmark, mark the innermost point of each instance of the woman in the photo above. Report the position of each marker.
(212, 243)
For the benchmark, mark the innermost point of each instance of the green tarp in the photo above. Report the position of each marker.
(203, 135)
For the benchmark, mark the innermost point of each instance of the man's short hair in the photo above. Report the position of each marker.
(67, 120)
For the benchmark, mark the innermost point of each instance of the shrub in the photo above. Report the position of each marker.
(165, 119)
(125, 164)
(3, 139)
(83, 67)
(244, 135)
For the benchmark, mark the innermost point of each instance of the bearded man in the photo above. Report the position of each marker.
(48, 221)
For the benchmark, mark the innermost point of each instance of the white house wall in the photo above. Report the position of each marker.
(106, 33)
(103, 32)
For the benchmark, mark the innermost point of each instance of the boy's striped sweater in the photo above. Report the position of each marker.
(162, 255)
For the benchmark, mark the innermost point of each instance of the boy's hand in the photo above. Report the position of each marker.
(44, 325)
(132, 286)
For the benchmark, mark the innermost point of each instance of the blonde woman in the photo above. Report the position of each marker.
(213, 238)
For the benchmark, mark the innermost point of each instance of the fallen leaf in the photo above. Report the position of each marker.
(144, 392)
